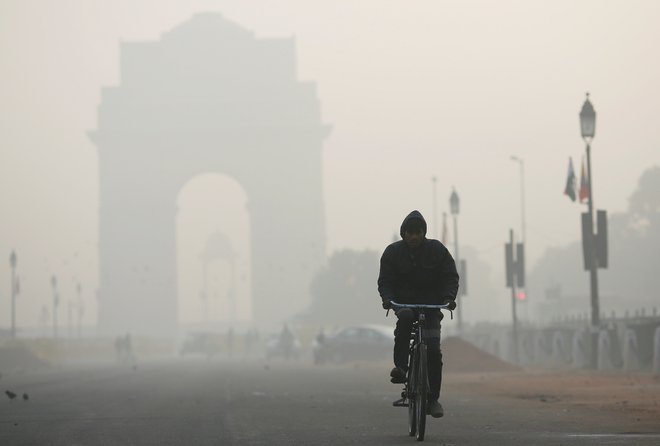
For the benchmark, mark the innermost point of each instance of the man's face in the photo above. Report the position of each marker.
(413, 236)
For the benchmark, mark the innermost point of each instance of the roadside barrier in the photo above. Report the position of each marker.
(638, 346)
(630, 351)
(543, 347)
(561, 347)
(581, 349)
(608, 358)
(527, 348)
(623, 345)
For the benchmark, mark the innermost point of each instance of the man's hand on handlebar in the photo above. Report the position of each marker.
(387, 304)
(451, 304)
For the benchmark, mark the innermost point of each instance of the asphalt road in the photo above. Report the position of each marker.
(200, 402)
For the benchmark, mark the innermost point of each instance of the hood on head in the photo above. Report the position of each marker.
(414, 215)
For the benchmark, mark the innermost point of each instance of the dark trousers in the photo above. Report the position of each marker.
(406, 318)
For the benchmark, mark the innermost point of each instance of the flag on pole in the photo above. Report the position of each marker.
(444, 228)
(570, 181)
(584, 184)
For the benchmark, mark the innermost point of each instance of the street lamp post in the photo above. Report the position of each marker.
(56, 302)
(521, 163)
(81, 309)
(69, 318)
(12, 262)
(514, 314)
(454, 205)
(588, 130)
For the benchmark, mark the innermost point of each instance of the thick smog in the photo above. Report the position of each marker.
(318, 223)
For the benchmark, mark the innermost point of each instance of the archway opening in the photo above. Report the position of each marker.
(213, 253)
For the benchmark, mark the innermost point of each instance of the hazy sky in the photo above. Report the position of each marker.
(412, 89)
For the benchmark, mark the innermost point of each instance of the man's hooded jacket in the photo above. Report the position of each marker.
(426, 274)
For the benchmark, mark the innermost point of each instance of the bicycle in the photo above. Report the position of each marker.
(416, 388)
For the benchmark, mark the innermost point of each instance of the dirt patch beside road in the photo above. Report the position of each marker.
(625, 402)
(629, 401)
(461, 356)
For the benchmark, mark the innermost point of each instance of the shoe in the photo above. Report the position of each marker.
(398, 375)
(435, 409)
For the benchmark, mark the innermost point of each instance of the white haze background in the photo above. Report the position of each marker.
(413, 89)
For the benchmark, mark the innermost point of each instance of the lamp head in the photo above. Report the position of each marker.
(587, 120)
(454, 203)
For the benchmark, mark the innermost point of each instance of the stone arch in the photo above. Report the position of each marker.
(213, 252)
(207, 97)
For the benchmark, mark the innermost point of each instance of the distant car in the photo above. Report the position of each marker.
(203, 343)
(278, 346)
(358, 343)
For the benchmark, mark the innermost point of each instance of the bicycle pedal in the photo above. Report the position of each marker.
(400, 403)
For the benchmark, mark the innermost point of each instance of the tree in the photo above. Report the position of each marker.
(345, 291)
(644, 204)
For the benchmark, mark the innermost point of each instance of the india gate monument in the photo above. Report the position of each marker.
(208, 97)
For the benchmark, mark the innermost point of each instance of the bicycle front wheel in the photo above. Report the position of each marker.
(421, 393)
(410, 394)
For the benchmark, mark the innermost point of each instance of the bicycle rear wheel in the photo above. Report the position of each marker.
(421, 393)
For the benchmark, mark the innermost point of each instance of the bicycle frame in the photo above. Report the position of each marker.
(415, 391)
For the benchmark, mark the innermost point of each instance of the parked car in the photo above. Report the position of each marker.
(364, 342)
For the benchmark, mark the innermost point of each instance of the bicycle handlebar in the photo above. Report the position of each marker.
(422, 306)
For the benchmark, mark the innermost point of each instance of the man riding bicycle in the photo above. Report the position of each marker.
(417, 270)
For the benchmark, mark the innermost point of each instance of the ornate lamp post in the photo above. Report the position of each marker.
(588, 130)
(12, 262)
(454, 206)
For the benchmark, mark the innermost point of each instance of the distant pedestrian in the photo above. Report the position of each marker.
(119, 348)
(286, 341)
(247, 349)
